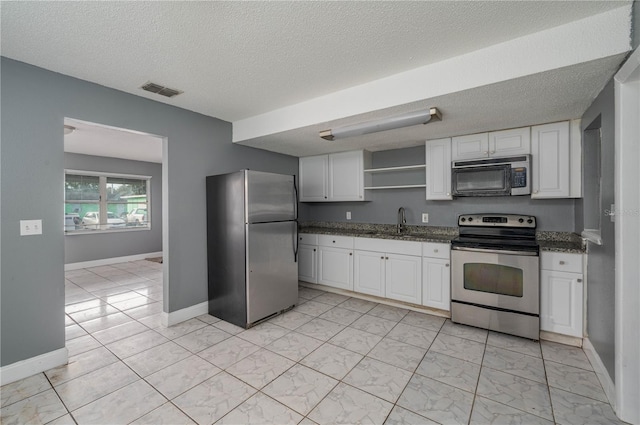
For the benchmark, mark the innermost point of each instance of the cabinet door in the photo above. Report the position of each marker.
(470, 146)
(436, 278)
(403, 277)
(561, 302)
(335, 267)
(368, 272)
(550, 160)
(346, 176)
(438, 160)
(516, 141)
(307, 255)
(313, 178)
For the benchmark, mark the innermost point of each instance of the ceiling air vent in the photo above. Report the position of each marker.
(161, 90)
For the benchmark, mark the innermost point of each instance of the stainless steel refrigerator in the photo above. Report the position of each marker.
(251, 245)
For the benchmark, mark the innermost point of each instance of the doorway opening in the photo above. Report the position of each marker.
(114, 220)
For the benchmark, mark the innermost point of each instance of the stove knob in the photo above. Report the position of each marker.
(463, 219)
(521, 220)
(470, 218)
(529, 221)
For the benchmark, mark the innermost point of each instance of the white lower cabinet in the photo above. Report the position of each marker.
(436, 276)
(388, 268)
(307, 258)
(335, 261)
(388, 275)
(368, 273)
(381, 267)
(561, 294)
(403, 276)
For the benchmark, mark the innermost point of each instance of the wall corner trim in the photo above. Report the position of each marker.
(31, 366)
(179, 316)
(109, 261)
(601, 372)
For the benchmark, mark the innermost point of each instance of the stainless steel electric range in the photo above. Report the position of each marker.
(495, 274)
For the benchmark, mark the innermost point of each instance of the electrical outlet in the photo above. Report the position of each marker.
(425, 217)
(348, 215)
(30, 227)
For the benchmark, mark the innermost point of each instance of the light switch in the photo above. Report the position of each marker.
(348, 215)
(425, 217)
(30, 227)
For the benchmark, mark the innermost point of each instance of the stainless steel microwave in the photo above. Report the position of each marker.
(492, 176)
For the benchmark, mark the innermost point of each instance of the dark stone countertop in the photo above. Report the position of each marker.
(566, 242)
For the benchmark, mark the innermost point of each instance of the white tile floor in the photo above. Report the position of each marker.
(333, 359)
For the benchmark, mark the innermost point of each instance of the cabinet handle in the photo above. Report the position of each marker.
(579, 280)
(351, 253)
(334, 241)
(448, 193)
(562, 263)
(382, 258)
(535, 191)
(314, 250)
(325, 197)
(386, 258)
(446, 265)
(486, 152)
(492, 152)
(435, 250)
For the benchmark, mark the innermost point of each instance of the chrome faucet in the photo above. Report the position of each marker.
(402, 220)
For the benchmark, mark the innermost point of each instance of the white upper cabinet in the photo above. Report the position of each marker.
(438, 160)
(470, 146)
(346, 176)
(314, 178)
(550, 160)
(333, 177)
(516, 141)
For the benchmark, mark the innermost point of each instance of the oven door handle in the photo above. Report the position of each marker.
(495, 251)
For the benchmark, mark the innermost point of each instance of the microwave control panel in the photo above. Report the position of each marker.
(519, 177)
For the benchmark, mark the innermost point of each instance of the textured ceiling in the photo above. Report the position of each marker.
(100, 140)
(235, 60)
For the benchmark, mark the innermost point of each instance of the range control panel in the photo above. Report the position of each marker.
(497, 220)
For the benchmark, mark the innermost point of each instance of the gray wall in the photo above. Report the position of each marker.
(553, 215)
(34, 105)
(601, 259)
(87, 247)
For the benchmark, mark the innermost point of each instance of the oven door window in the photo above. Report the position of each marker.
(482, 181)
(494, 278)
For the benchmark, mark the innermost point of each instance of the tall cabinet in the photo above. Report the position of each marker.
(438, 161)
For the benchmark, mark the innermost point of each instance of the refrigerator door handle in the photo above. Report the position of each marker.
(295, 243)
(295, 199)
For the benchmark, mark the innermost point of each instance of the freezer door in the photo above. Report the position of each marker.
(272, 278)
(270, 197)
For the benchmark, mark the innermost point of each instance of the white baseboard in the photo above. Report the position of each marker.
(574, 341)
(25, 368)
(601, 372)
(175, 317)
(108, 261)
(375, 299)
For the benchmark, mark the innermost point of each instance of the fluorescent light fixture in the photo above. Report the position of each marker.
(405, 120)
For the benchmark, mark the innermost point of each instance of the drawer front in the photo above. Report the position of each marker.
(388, 245)
(561, 261)
(307, 239)
(336, 241)
(436, 250)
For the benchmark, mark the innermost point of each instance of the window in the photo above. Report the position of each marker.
(103, 201)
